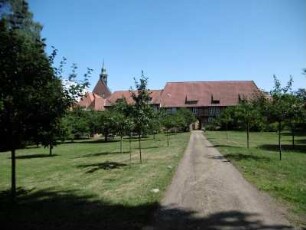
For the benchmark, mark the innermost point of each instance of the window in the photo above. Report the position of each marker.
(195, 110)
(171, 110)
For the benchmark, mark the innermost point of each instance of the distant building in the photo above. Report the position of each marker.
(96, 99)
(206, 99)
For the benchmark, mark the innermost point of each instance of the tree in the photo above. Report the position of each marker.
(248, 113)
(26, 79)
(18, 17)
(155, 123)
(122, 120)
(32, 98)
(169, 122)
(278, 106)
(93, 122)
(122, 107)
(142, 112)
(301, 94)
(184, 118)
(107, 123)
(295, 113)
(79, 122)
(226, 117)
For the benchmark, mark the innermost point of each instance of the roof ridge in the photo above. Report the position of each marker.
(210, 81)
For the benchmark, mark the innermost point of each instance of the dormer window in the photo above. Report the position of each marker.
(241, 98)
(190, 100)
(215, 99)
(119, 100)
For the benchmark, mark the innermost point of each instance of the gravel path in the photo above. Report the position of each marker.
(208, 192)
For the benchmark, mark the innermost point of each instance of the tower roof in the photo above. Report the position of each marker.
(101, 89)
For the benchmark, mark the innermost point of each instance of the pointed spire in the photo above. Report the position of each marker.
(103, 74)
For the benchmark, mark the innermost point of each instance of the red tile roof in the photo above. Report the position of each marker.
(92, 101)
(117, 95)
(101, 89)
(202, 93)
(179, 94)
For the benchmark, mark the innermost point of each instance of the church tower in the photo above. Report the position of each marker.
(103, 75)
(101, 88)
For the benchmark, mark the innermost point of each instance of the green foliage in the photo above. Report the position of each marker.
(19, 18)
(32, 98)
(180, 121)
(280, 102)
(92, 117)
(142, 112)
(107, 123)
(282, 107)
(155, 124)
(184, 118)
(301, 94)
(26, 80)
(79, 122)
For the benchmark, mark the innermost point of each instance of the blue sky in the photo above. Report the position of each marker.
(179, 40)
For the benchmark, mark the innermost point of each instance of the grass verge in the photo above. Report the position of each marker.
(88, 184)
(285, 179)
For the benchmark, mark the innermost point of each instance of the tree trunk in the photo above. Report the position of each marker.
(139, 141)
(279, 140)
(248, 135)
(130, 142)
(13, 176)
(130, 147)
(293, 135)
(50, 149)
(121, 143)
(227, 131)
(167, 138)
(105, 136)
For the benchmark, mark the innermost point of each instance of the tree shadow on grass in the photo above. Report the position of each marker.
(228, 146)
(59, 210)
(102, 154)
(107, 165)
(149, 147)
(66, 210)
(297, 134)
(97, 141)
(250, 156)
(31, 156)
(274, 148)
(301, 141)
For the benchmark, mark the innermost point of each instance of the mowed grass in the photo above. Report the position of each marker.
(285, 179)
(89, 184)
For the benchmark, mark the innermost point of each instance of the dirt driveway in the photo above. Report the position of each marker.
(207, 192)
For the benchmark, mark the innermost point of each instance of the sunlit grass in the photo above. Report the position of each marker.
(90, 179)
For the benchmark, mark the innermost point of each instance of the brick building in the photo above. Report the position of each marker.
(206, 99)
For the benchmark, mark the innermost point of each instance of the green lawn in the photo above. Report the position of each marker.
(88, 184)
(285, 180)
